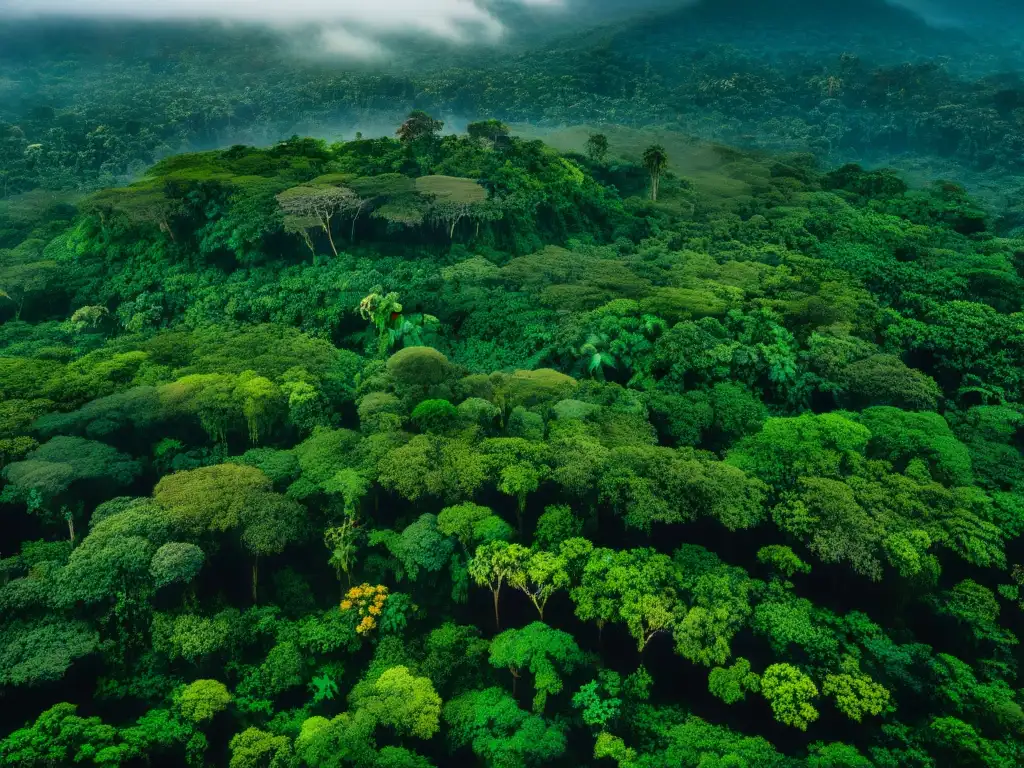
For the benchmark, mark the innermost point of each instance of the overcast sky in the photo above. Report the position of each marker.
(449, 18)
(355, 27)
(349, 27)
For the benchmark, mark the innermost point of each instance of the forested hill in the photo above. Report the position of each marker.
(85, 106)
(791, 26)
(460, 451)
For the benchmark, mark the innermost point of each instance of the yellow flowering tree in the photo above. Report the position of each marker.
(368, 601)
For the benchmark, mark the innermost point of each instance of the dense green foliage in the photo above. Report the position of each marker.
(455, 449)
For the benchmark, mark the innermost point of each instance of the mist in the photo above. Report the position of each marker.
(353, 28)
(958, 13)
(387, 31)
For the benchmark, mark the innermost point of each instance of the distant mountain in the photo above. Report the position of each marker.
(875, 29)
(968, 15)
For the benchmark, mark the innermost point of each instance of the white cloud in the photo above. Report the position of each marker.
(443, 17)
(347, 27)
(337, 41)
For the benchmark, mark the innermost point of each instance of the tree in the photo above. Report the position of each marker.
(270, 522)
(491, 130)
(59, 736)
(539, 577)
(323, 687)
(901, 436)
(453, 198)
(472, 525)
(855, 693)
(341, 540)
(599, 700)
(24, 272)
(284, 668)
(450, 469)
(203, 700)
(419, 367)
(318, 203)
(655, 161)
(547, 653)
(419, 547)
(597, 147)
(176, 561)
(141, 205)
(399, 699)
(41, 651)
(500, 733)
(383, 311)
(976, 607)
(825, 445)
(518, 466)
(192, 637)
(301, 226)
(695, 741)
(210, 498)
(731, 684)
(111, 568)
(782, 559)
(558, 523)
(836, 755)
(49, 472)
(637, 587)
(417, 127)
(493, 564)
(253, 748)
(436, 416)
(345, 740)
(885, 380)
(790, 692)
(368, 602)
(352, 486)
(262, 403)
(154, 735)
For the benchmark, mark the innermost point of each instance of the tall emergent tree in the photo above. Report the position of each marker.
(418, 125)
(318, 203)
(655, 161)
(597, 147)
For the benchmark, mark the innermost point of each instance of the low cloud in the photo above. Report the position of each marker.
(346, 27)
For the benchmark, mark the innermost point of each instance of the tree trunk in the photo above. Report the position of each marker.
(255, 577)
(71, 529)
(352, 234)
(497, 618)
(166, 227)
(330, 238)
(309, 244)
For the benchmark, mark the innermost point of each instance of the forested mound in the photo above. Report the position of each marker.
(462, 451)
(84, 107)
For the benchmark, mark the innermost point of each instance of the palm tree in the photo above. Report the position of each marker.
(655, 161)
(596, 355)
